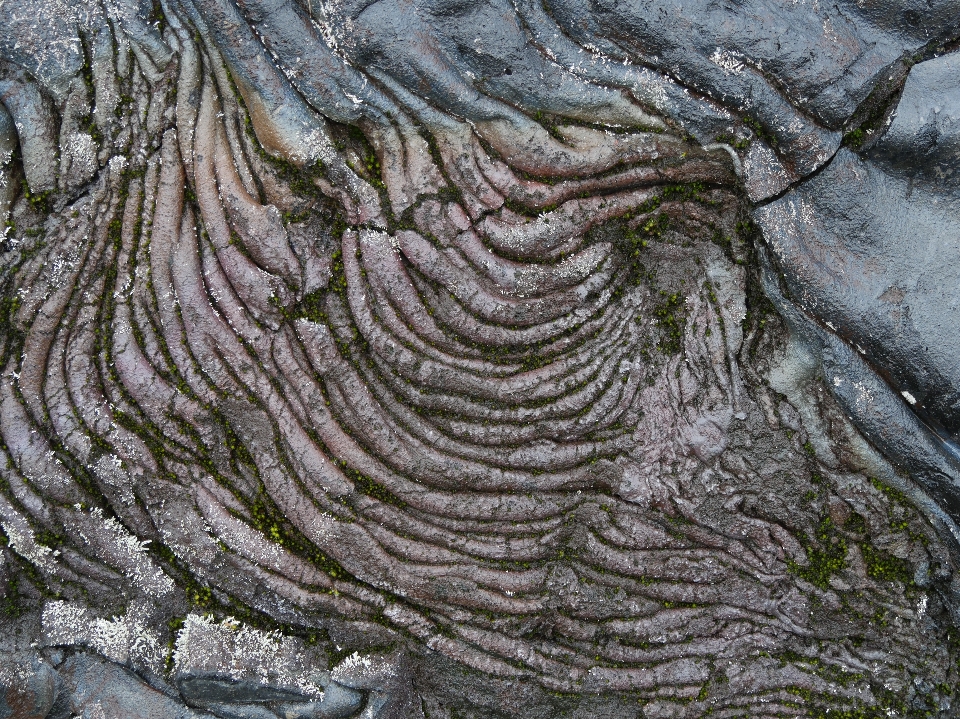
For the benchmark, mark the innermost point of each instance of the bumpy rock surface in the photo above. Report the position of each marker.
(441, 359)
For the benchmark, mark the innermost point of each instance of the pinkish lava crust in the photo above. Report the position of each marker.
(423, 405)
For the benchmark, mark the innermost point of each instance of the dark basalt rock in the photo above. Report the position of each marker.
(870, 248)
(922, 139)
(434, 359)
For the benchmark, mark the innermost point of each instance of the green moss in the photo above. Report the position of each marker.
(450, 193)
(728, 139)
(125, 101)
(49, 539)
(87, 122)
(266, 517)
(856, 523)
(39, 201)
(884, 566)
(371, 170)
(670, 317)
(301, 180)
(195, 591)
(760, 131)
(311, 307)
(891, 493)
(198, 594)
(550, 123)
(157, 18)
(12, 603)
(826, 555)
(901, 511)
(372, 488)
(338, 276)
(854, 139)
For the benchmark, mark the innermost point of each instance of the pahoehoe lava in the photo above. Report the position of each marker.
(435, 359)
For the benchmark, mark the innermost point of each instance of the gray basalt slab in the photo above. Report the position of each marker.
(870, 247)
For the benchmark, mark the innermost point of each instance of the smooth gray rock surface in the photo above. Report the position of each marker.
(922, 142)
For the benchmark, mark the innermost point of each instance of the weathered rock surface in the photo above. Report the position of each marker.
(870, 247)
(406, 360)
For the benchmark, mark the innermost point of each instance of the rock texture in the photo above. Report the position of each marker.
(441, 359)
